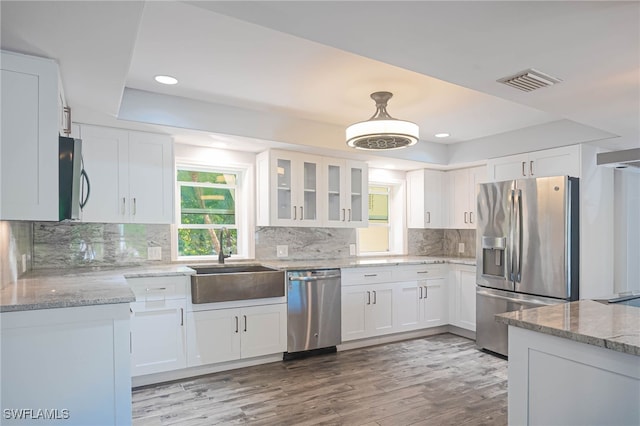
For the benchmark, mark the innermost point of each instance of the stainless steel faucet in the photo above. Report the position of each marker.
(221, 255)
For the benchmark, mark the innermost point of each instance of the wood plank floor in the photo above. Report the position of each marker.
(437, 380)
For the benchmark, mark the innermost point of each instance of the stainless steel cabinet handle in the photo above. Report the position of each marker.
(124, 201)
(344, 214)
(370, 275)
(156, 289)
(349, 215)
(523, 172)
(301, 213)
(531, 167)
(368, 298)
(428, 217)
(465, 217)
(375, 299)
(420, 292)
(470, 217)
(134, 206)
(237, 329)
(181, 317)
(295, 213)
(245, 323)
(426, 292)
(422, 272)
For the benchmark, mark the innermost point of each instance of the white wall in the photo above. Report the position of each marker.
(626, 231)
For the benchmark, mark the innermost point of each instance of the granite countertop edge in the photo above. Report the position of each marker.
(54, 288)
(590, 338)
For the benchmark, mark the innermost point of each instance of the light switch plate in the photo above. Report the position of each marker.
(460, 247)
(154, 253)
(282, 251)
(352, 249)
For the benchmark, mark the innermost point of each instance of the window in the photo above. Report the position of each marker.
(375, 238)
(208, 203)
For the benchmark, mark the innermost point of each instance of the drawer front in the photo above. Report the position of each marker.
(419, 272)
(159, 288)
(357, 276)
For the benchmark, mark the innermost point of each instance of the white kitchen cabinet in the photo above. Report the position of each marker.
(158, 324)
(425, 194)
(29, 139)
(367, 310)
(463, 297)
(462, 196)
(131, 175)
(346, 193)
(220, 335)
(421, 302)
(550, 162)
(289, 187)
(158, 336)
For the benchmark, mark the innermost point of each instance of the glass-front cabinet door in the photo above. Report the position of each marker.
(346, 193)
(284, 194)
(357, 181)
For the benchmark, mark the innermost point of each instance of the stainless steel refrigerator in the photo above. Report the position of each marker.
(527, 250)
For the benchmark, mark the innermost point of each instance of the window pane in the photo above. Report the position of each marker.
(207, 205)
(203, 242)
(374, 239)
(206, 177)
(379, 208)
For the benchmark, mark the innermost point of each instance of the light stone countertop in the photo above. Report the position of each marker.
(63, 288)
(613, 326)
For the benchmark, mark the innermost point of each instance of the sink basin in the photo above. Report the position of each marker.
(235, 282)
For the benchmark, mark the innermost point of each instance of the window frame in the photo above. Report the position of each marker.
(243, 224)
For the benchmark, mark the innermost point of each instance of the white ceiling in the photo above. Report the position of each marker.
(311, 65)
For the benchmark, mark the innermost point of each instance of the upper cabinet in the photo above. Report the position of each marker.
(425, 192)
(131, 175)
(462, 196)
(303, 190)
(29, 140)
(347, 189)
(550, 162)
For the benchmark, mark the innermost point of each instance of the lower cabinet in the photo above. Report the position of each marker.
(421, 304)
(462, 302)
(367, 310)
(221, 335)
(158, 336)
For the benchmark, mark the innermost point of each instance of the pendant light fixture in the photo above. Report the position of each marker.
(382, 131)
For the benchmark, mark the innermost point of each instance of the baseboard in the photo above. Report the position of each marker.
(389, 338)
(462, 332)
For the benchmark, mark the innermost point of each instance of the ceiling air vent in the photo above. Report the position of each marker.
(529, 80)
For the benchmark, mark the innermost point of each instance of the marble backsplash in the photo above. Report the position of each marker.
(16, 240)
(72, 245)
(304, 243)
(441, 242)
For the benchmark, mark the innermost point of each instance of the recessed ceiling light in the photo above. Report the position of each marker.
(166, 79)
(442, 135)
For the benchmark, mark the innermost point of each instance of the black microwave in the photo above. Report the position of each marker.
(73, 182)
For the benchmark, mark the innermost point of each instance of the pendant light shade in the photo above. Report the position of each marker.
(382, 131)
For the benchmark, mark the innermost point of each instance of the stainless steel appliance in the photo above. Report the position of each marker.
(313, 310)
(72, 179)
(527, 250)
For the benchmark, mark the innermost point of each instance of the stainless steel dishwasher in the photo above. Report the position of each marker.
(313, 312)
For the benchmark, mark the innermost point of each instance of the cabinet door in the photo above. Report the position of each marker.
(434, 303)
(555, 162)
(354, 312)
(464, 298)
(459, 201)
(157, 336)
(358, 194)
(105, 154)
(508, 168)
(416, 194)
(263, 330)
(29, 139)
(379, 318)
(336, 211)
(433, 199)
(308, 201)
(151, 180)
(407, 306)
(477, 175)
(213, 336)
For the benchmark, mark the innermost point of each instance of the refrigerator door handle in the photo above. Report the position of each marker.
(518, 242)
(510, 254)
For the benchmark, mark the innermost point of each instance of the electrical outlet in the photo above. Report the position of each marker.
(282, 251)
(154, 253)
(460, 247)
(24, 263)
(352, 249)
